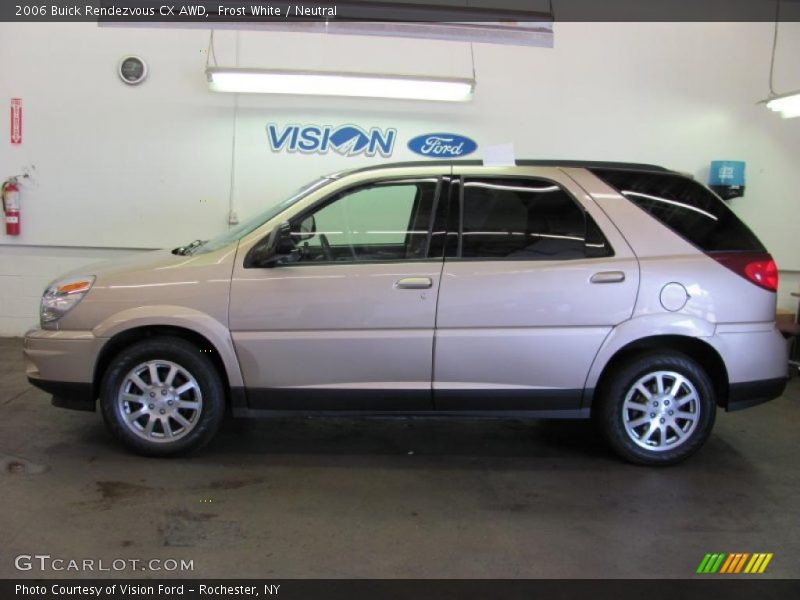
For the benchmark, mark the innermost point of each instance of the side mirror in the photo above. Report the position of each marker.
(308, 229)
(276, 249)
(284, 246)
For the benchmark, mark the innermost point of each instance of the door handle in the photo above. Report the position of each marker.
(608, 277)
(414, 283)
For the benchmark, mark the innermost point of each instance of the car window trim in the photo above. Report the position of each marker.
(434, 210)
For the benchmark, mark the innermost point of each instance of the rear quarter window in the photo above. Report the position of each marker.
(686, 207)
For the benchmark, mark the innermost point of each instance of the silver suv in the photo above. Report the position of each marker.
(624, 292)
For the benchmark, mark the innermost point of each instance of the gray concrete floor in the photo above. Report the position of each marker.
(375, 498)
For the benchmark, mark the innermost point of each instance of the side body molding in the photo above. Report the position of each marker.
(177, 316)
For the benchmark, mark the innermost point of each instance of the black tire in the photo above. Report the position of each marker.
(666, 446)
(205, 420)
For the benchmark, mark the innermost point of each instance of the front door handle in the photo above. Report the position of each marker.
(608, 277)
(414, 283)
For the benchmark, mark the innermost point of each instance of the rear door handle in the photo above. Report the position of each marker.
(608, 277)
(414, 283)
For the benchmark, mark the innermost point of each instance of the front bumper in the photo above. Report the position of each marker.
(62, 363)
(68, 394)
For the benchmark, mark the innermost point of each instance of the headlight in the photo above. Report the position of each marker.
(62, 296)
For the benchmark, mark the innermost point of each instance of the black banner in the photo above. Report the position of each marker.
(733, 588)
(255, 11)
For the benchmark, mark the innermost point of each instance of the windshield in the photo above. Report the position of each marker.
(242, 229)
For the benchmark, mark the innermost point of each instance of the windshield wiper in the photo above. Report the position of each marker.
(184, 250)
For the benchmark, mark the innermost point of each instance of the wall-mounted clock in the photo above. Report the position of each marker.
(132, 70)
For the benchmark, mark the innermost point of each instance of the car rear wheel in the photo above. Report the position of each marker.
(657, 408)
(162, 396)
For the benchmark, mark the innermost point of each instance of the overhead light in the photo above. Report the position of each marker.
(316, 83)
(787, 104)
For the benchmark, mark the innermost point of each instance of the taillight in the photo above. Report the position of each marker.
(756, 267)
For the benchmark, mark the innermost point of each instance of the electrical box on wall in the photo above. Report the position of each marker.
(726, 178)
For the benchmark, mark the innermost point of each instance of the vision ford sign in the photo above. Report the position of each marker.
(442, 145)
(348, 140)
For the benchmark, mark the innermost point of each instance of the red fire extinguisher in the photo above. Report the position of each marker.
(11, 205)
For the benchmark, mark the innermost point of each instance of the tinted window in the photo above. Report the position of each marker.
(527, 219)
(686, 207)
(383, 221)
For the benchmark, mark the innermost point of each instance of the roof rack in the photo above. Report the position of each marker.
(582, 164)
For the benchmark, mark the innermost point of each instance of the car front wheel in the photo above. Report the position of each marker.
(162, 396)
(658, 408)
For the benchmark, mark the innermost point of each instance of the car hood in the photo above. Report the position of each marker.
(134, 262)
(153, 280)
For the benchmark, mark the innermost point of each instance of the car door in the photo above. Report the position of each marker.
(535, 278)
(349, 325)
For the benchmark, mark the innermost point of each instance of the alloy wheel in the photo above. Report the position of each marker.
(160, 401)
(661, 411)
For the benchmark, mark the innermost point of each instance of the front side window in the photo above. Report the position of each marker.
(380, 221)
(526, 219)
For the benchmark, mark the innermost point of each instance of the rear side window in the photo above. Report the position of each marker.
(526, 219)
(686, 207)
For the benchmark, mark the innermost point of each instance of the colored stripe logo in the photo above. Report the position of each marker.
(734, 563)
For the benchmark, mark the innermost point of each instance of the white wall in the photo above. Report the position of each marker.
(119, 168)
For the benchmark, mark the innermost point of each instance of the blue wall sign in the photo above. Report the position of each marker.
(726, 172)
(726, 178)
(348, 140)
(442, 145)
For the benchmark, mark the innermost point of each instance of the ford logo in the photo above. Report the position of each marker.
(442, 145)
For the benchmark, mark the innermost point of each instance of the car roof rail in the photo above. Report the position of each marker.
(582, 164)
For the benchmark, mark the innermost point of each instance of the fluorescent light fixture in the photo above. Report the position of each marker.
(787, 104)
(318, 83)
